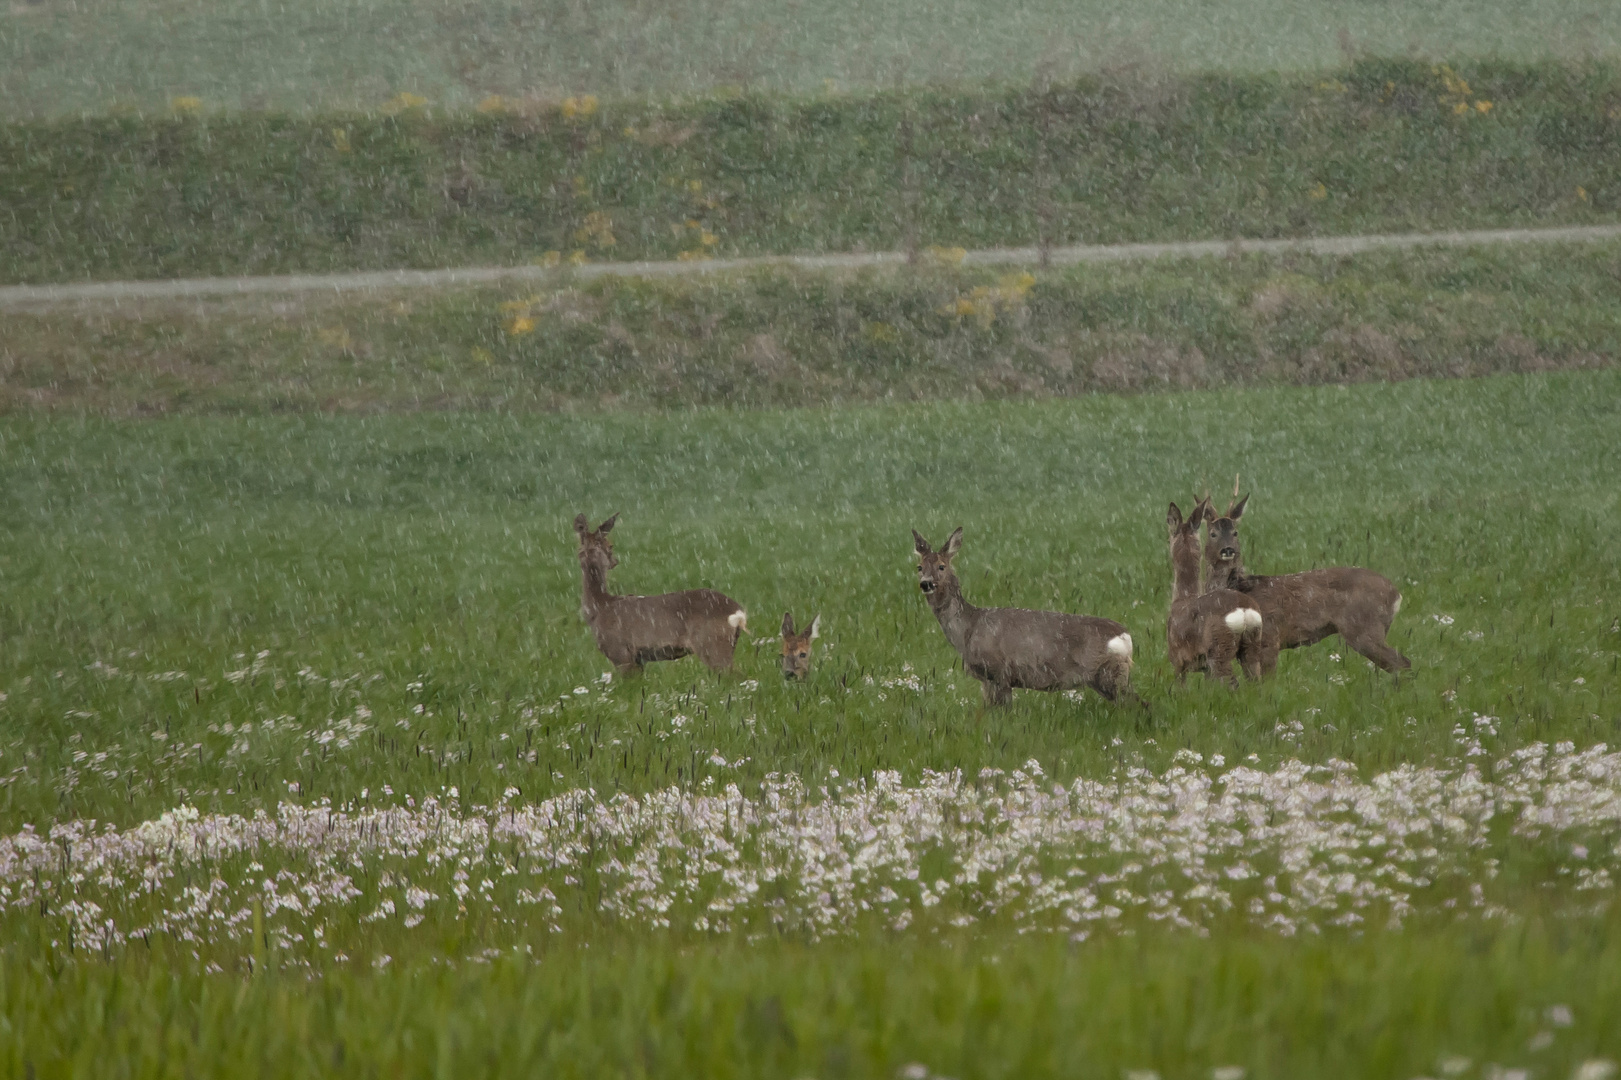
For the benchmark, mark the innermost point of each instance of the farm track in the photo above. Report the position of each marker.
(15, 297)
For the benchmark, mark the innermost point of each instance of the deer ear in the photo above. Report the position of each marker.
(953, 543)
(607, 526)
(1173, 519)
(787, 624)
(920, 545)
(1236, 510)
(816, 628)
(581, 526)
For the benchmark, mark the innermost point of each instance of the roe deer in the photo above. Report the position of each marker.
(1304, 608)
(796, 648)
(1008, 648)
(1206, 632)
(636, 630)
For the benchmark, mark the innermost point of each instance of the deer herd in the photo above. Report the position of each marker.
(1220, 614)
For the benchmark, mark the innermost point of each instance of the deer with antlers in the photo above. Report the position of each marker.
(796, 647)
(636, 630)
(1304, 608)
(1207, 631)
(1012, 648)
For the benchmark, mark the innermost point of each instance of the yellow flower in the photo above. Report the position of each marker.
(945, 256)
(402, 102)
(340, 141)
(576, 258)
(550, 258)
(1483, 107)
(708, 239)
(881, 333)
(579, 107)
(186, 104)
(495, 103)
(521, 324)
(597, 229)
(695, 255)
(336, 336)
(1318, 191)
(1460, 108)
(695, 185)
(1581, 193)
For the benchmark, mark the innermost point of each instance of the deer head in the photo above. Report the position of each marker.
(1184, 538)
(596, 550)
(934, 567)
(1221, 550)
(796, 648)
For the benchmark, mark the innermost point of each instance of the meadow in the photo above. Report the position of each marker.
(97, 56)
(301, 721)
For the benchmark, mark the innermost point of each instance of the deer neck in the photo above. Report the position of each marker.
(1184, 572)
(1225, 576)
(957, 616)
(594, 595)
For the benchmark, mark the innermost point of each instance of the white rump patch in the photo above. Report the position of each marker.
(738, 620)
(1237, 619)
(1397, 609)
(1120, 645)
(1252, 618)
(816, 625)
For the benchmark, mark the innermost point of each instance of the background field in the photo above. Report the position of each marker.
(278, 564)
(782, 338)
(1377, 146)
(99, 55)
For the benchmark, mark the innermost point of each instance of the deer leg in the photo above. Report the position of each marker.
(1376, 650)
(995, 693)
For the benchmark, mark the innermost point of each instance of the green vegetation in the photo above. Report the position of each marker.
(99, 55)
(786, 338)
(1384, 1005)
(197, 578)
(1374, 147)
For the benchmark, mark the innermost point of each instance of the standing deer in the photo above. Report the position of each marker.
(636, 630)
(1304, 608)
(796, 648)
(1008, 648)
(1206, 632)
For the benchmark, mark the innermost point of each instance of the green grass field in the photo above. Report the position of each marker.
(96, 55)
(374, 619)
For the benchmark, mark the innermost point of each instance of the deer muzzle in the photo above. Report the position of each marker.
(926, 585)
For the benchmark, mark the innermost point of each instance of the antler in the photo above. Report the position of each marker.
(1235, 485)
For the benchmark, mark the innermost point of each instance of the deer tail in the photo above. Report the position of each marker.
(1243, 622)
(1120, 645)
(739, 621)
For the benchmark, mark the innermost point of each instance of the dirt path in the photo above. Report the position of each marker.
(30, 296)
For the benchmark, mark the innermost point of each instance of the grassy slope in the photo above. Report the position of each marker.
(63, 59)
(436, 550)
(1378, 147)
(784, 339)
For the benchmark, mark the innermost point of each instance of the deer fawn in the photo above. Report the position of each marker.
(1304, 608)
(1206, 632)
(1008, 648)
(636, 630)
(796, 648)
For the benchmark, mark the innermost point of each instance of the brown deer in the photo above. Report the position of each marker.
(1012, 648)
(1304, 608)
(796, 648)
(636, 630)
(1206, 632)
